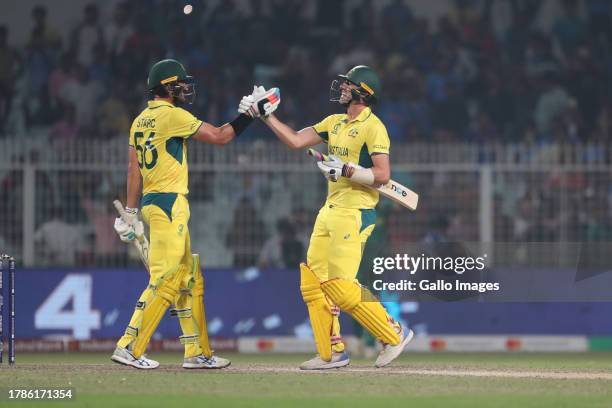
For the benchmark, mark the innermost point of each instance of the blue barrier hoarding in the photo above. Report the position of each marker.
(97, 303)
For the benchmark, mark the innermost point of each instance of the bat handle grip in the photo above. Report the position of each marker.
(317, 155)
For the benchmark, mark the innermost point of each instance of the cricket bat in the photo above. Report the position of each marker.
(392, 190)
(141, 242)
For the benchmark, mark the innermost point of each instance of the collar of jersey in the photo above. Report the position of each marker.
(157, 104)
(362, 116)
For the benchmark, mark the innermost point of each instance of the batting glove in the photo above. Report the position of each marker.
(125, 231)
(265, 102)
(332, 168)
(129, 228)
(245, 104)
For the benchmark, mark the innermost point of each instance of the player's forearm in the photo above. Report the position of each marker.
(284, 133)
(225, 135)
(134, 185)
(381, 176)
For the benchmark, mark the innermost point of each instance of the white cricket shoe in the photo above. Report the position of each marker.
(124, 356)
(390, 353)
(202, 361)
(338, 360)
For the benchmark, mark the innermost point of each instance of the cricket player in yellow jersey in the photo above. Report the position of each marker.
(346, 220)
(158, 164)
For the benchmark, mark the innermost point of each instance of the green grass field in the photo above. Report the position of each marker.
(415, 380)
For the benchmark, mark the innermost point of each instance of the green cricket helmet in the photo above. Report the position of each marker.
(366, 80)
(169, 78)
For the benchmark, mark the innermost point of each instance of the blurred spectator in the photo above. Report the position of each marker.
(54, 251)
(483, 130)
(539, 56)
(84, 95)
(570, 124)
(397, 15)
(39, 108)
(584, 79)
(438, 231)
(120, 30)
(100, 70)
(450, 116)
(351, 54)
(394, 111)
(51, 38)
(87, 35)
(9, 64)
(283, 249)
(598, 223)
(553, 100)
(302, 220)
(113, 115)
(11, 205)
(498, 102)
(517, 37)
(493, 53)
(64, 72)
(224, 21)
(570, 29)
(600, 14)
(141, 48)
(363, 18)
(101, 216)
(246, 234)
(66, 130)
(438, 80)
(38, 62)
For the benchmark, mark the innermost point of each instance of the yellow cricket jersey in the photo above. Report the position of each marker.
(353, 141)
(159, 135)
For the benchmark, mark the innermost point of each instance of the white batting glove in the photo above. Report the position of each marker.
(332, 168)
(130, 228)
(131, 215)
(265, 102)
(245, 104)
(125, 231)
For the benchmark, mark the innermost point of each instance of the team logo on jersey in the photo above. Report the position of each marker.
(336, 128)
(353, 132)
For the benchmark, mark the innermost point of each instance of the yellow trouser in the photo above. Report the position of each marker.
(170, 253)
(329, 281)
(336, 245)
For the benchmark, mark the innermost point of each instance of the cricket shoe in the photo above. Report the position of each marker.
(202, 361)
(124, 356)
(390, 353)
(338, 360)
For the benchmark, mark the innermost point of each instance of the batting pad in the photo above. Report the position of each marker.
(197, 307)
(155, 309)
(363, 306)
(319, 311)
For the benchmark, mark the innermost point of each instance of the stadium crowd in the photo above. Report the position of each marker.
(484, 70)
(537, 72)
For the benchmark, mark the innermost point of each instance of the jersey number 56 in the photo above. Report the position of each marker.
(142, 151)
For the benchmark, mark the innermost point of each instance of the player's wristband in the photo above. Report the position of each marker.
(358, 175)
(241, 122)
